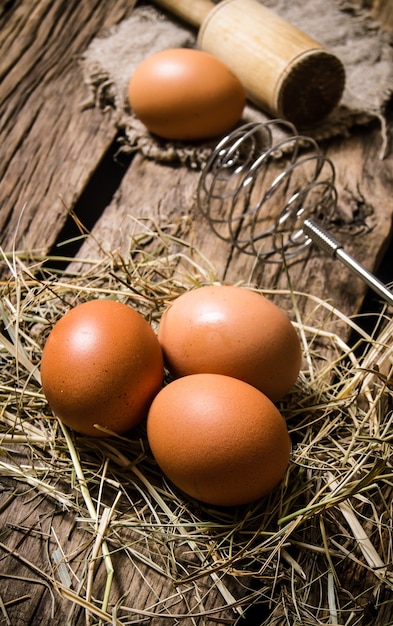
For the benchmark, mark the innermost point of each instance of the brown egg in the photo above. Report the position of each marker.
(186, 94)
(101, 364)
(235, 331)
(218, 439)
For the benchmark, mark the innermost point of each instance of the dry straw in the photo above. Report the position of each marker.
(318, 550)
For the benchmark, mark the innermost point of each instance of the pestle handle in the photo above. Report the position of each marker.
(284, 71)
(192, 11)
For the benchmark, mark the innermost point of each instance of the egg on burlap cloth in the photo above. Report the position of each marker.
(343, 27)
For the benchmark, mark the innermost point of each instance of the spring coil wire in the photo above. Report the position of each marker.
(259, 211)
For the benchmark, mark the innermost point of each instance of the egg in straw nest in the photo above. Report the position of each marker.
(315, 549)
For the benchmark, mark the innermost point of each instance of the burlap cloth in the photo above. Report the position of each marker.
(365, 49)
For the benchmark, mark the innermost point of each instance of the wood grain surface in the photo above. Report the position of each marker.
(57, 157)
(50, 145)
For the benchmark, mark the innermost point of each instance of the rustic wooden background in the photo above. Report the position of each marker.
(58, 158)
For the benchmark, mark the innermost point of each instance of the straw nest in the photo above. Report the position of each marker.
(318, 550)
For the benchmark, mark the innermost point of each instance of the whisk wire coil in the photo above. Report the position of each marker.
(269, 192)
(257, 205)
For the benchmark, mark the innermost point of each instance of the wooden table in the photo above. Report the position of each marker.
(57, 158)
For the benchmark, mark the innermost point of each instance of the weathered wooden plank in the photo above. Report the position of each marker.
(150, 194)
(49, 145)
(26, 542)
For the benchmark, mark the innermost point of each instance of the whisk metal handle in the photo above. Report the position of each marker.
(332, 247)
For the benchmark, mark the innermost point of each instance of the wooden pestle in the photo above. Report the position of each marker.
(284, 71)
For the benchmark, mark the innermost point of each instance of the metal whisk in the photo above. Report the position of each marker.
(274, 215)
